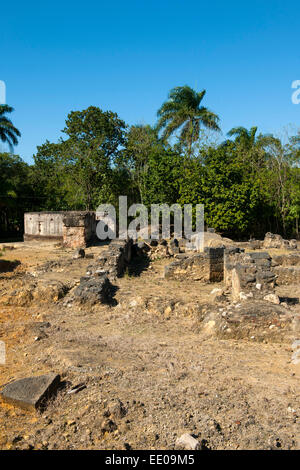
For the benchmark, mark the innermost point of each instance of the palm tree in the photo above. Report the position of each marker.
(248, 139)
(8, 132)
(254, 149)
(183, 111)
(244, 137)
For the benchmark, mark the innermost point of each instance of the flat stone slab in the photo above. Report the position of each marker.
(31, 392)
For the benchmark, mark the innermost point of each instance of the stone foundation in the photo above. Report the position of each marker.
(116, 258)
(287, 268)
(95, 286)
(286, 275)
(292, 259)
(204, 267)
(248, 274)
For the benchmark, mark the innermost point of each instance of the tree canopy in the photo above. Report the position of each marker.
(249, 184)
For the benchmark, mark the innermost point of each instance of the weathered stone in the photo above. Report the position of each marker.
(243, 296)
(31, 392)
(43, 225)
(261, 255)
(248, 273)
(94, 290)
(116, 409)
(293, 244)
(250, 319)
(292, 259)
(217, 295)
(79, 253)
(141, 248)
(255, 244)
(188, 442)
(73, 228)
(273, 298)
(174, 247)
(207, 266)
(286, 275)
(276, 241)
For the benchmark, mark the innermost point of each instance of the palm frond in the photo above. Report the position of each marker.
(8, 132)
(183, 109)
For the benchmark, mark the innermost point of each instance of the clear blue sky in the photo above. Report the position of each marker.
(125, 56)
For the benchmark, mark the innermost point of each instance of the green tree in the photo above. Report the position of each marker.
(244, 137)
(8, 132)
(219, 181)
(163, 178)
(82, 163)
(52, 179)
(281, 182)
(251, 146)
(95, 138)
(141, 143)
(183, 111)
(16, 195)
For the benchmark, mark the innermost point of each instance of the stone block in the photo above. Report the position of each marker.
(207, 266)
(97, 289)
(31, 392)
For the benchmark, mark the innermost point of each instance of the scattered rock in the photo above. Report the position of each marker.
(79, 253)
(273, 298)
(217, 295)
(273, 240)
(116, 409)
(108, 425)
(187, 442)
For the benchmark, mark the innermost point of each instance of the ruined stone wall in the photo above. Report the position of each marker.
(292, 259)
(287, 268)
(43, 225)
(286, 275)
(230, 260)
(248, 274)
(207, 266)
(78, 229)
(273, 240)
(96, 285)
(75, 229)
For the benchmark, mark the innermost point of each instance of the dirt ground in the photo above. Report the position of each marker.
(148, 372)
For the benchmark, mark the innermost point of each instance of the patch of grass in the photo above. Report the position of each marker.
(127, 274)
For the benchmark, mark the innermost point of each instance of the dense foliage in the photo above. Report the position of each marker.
(249, 184)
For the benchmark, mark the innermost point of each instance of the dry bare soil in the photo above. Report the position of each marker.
(147, 369)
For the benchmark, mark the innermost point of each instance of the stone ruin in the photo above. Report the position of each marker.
(78, 229)
(96, 285)
(287, 268)
(246, 275)
(249, 275)
(273, 240)
(74, 229)
(207, 266)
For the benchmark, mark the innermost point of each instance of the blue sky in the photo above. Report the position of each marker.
(126, 56)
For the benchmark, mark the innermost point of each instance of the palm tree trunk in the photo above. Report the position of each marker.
(190, 138)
